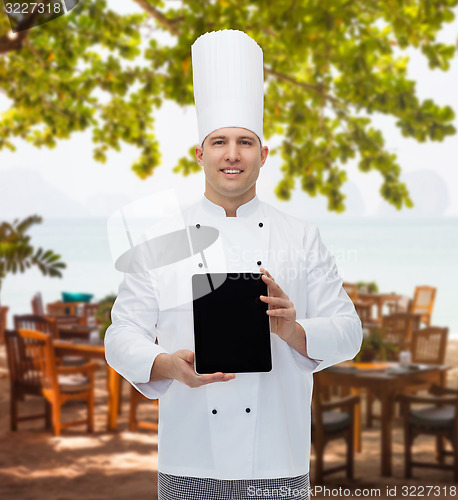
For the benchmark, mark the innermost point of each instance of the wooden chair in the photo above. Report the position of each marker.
(397, 328)
(328, 424)
(59, 308)
(24, 380)
(59, 384)
(37, 304)
(136, 398)
(364, 311)
(48, 325)
(3, 312)
(36, 322)
(89, 313)
(38, 310)
(352, 291)
(429, 345)
(423, 303)
(363, 307)
(439, 419)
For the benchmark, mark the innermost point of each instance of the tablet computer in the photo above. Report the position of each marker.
(231, 327)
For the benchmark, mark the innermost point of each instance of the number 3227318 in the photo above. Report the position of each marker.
(31, 7)
(428, 491)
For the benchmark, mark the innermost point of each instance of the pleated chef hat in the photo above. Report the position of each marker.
(228, 82)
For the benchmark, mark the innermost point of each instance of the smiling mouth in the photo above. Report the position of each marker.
(231, 171)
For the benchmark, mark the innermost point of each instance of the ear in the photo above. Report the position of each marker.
(264, 154)
(199, 155)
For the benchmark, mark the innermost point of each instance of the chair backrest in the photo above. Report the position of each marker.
(59, 308)
(364, 311)
(36, 322)
(37, 304)
(352, 290)
(429, 345)
(3, 312)
(21, 366)
(39, 348)
(397, 328)
(423, 302)
(89, 313)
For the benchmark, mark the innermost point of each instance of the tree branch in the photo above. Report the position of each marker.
(320, 89)
(14, 41)
(160, 18)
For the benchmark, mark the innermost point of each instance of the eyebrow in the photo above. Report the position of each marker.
(212, 138)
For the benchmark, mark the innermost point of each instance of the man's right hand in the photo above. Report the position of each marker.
(180, 366)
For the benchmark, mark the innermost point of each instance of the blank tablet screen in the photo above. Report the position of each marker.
(231, 327)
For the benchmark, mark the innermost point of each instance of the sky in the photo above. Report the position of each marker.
(66, 181)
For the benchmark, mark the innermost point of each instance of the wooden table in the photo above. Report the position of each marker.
(385, 385)
(74, 331)
(96, 351)
(378, 300)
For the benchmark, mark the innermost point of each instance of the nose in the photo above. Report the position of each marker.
(232, 153)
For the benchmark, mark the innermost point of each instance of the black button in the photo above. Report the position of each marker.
(198, 226)
(248, 410)
(259, 262)
(214, 412)
(200, 264)
(261, 224)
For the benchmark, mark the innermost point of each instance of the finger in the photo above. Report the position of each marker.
(215, 377)
(276, 301)
(266, 273)
(274, 288)
(186, 355)
(282, 313)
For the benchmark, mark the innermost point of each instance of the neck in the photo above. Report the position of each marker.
(230, 204)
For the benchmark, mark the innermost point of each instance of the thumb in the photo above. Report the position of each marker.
(186, 355)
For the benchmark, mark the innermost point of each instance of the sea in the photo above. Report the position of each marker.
(397, 254)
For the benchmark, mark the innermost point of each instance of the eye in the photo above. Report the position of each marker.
(217, 143)
(246, 143)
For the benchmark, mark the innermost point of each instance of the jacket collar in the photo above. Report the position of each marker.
(244, 210)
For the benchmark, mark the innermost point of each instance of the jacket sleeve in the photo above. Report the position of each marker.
(332, 327)
(130, 346)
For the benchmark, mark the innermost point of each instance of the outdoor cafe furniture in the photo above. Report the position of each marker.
(377, 302)
(38, 309)
(328, 424)
(136, 398)
(3, 312)
(45, 325)
(427, 346)
(23, 380)
(386, 381)
(397, 329)
(439, 419)
(423, 303)
(96, 350)
(34, 371)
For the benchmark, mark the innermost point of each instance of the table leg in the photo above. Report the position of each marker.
(113, 382)
(386, 399)
(357, 423)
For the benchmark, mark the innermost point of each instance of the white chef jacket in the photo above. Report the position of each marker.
(257, 425)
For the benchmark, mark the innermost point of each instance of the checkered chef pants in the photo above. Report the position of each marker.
(196, 488)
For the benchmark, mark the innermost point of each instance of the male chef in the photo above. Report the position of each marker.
(222, 435)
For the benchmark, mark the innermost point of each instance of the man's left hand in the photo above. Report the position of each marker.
(281, 309)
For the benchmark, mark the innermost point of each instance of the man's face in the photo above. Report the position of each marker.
(231, 158)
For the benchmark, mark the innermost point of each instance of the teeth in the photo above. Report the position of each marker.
(231, 171)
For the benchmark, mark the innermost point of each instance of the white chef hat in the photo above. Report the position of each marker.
(228, 82)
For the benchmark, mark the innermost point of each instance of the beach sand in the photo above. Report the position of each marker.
(34, 465)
